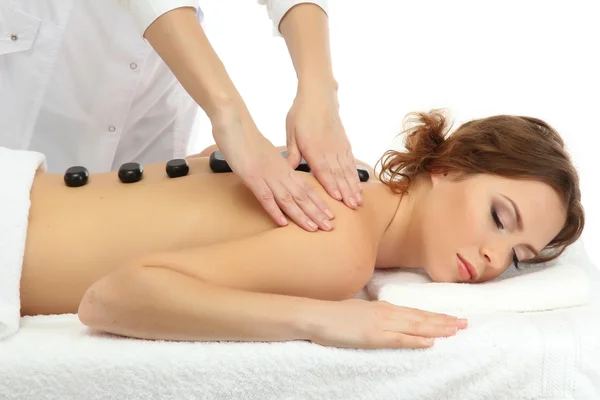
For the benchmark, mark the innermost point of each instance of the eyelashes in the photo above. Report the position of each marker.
(496, 219)
(500, 226)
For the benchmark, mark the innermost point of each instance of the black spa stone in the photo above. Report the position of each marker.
(130, 172)
(76, 176)
(177, 168)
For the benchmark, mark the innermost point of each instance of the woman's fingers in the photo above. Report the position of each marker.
(358, 323)
(413, 328)
(417, 318)
(397, 340)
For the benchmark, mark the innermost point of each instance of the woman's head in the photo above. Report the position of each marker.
(497, 187)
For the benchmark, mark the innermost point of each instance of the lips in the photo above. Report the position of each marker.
(465, 269)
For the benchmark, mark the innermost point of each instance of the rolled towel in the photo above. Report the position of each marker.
(17, 170)
(536, 288)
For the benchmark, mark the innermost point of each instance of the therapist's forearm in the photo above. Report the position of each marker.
(306, 32)
(180, 41)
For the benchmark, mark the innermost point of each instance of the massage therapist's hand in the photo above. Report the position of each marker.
(315, 132)
(357, 323)
(267, 174)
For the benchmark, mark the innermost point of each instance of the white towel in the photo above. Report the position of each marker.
(551, 355)
(17, 170)
(562, 283)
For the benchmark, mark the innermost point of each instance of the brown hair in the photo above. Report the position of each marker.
(509, 146)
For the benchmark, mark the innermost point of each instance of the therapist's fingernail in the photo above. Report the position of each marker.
(352, 202)
(337, 195)
(329, 213)
(327, 225)
(312, 226)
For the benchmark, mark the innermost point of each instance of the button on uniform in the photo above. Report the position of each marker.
(133, 65)
(111, 128)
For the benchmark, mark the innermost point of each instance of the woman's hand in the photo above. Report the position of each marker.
(357, 323)
(267, 174)
(315, 132)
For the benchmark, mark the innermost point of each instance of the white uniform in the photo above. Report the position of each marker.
(79, 83)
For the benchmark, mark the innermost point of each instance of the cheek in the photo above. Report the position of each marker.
(476, 218)
(453, 223)
(462, 222)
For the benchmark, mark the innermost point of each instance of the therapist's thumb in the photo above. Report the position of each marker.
(293, 153)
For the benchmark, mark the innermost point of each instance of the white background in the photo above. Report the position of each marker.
(476, 58)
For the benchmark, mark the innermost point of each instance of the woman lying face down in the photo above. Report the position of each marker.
(197, 258)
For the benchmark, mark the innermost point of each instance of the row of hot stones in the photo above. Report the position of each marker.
(130, 172)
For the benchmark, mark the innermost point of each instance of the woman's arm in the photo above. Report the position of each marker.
(269, 287)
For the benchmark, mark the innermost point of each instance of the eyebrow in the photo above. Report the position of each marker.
(520, 222)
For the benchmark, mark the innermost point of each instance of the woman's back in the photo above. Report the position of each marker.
(78, 235)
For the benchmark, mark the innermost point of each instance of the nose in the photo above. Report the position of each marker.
(492, 258)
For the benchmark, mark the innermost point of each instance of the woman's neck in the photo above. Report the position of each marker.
(400, 244)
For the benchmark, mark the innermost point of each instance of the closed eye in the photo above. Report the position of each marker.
(500, 226)
(496, 219)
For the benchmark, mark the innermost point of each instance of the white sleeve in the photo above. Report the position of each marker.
(278, 8)
(144, 12)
